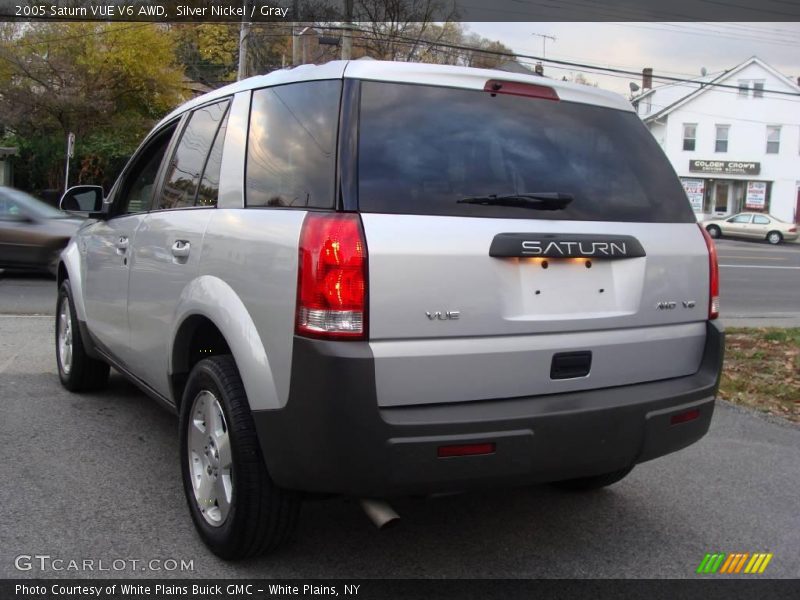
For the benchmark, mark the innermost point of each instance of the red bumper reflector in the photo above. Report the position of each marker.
(689, 415)
(465, 450)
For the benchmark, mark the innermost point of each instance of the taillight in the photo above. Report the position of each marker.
(792, 229)
(713, 269)
(332, 277)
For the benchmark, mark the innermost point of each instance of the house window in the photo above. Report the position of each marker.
(744, 88)
(773, 139)
(758, 89)
(721, 143)
(689, 135)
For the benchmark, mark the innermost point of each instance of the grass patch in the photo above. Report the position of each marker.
(762, 370)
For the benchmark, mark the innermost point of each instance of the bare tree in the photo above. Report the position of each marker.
(401, 29)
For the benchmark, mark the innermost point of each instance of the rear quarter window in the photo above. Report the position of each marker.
(291, 147)
(423, 148)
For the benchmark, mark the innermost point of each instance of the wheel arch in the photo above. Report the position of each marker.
(69, 267)
(61, 273)
(211, 319)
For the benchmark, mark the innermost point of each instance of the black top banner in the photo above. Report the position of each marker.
(404, 10)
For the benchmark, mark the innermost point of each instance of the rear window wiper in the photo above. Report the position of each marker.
(534, 200)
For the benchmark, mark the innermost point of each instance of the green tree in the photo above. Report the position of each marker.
(106, 82)
(208, 52)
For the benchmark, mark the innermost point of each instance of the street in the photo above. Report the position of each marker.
(760, 285)
(96, 476)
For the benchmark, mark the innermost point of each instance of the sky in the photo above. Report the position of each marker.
(674, 49)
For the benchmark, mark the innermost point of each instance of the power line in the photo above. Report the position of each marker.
(559, 62)
(552, 63)
(371, 36)
(724, 117)
(682, 29)
(698, 83)
(50, 41)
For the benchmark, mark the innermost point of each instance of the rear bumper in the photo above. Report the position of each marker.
(332, 437)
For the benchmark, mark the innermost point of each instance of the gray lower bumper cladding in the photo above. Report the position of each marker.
(332, 437)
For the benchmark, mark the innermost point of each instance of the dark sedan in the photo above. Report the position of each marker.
(32, 233)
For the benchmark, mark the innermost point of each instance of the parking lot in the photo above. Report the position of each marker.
(96, 477)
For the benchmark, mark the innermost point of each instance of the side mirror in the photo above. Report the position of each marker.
(86, 199)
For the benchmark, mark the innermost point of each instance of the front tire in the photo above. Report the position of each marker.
(714, 231)
(586, 484)
(774, 237)
(77, 370)
(236, 508)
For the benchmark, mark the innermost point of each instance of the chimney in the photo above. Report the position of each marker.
(539, 68)
(647, 78)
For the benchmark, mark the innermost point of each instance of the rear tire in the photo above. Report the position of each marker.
(714, 231)
(586, 484)
(77, 371)
(774, 237)
(237, 509)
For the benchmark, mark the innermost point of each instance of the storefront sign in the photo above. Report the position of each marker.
(724, 167)
(756, 195)
(695, 191)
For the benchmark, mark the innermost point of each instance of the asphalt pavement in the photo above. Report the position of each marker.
(759, 283)
(96, 477)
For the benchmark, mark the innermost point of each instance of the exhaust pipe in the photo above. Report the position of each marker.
(379, 512)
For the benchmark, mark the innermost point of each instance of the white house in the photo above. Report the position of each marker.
(733, 138)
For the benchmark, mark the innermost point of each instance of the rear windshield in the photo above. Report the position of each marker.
(423, 148)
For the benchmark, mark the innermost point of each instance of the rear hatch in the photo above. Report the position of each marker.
(520, 244)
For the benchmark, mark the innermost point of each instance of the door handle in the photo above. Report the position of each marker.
(122, 244)
(181, 249)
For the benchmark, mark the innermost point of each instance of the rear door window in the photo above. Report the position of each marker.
(208, 191)
(185, 170)
(423, 148)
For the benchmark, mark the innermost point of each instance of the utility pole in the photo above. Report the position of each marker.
(244, 35)
(295, 42)
(70, 154)
(347, 36)
(544, 42)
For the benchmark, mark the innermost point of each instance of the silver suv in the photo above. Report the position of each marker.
(379, 279)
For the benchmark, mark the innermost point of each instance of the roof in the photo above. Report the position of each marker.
(675, 90)
(675, 95)
(404, 72)
(197, 87)
(514, 66)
